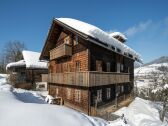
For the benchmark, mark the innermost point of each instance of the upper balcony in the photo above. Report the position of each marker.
(61, 51)
(88, 78)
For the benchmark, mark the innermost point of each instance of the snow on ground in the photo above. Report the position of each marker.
(19, 107)
(139, 113)
(147, 70)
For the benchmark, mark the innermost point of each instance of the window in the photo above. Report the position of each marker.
(68, 93)
(42, 86)
(98, 65)
(77, 95)
(108, 93)
(128, 69)
(76, 40)
(108, 66)
(122, 89)
(78, 65)
(67, 40)
(118, 67)
(99, 95)
(122, 67)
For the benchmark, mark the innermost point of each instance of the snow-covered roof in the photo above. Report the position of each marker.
(30, 60)
(16, 64)
(99, 34)
(113, 34)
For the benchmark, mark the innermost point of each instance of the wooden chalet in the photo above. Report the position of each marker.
(89, 70)
(27, 73)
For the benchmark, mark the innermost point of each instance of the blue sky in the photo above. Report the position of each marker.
(145, 22)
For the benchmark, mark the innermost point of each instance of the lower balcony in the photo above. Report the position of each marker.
(88, 78)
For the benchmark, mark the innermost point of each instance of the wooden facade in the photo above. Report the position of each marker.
(87, 76)
(24, 78)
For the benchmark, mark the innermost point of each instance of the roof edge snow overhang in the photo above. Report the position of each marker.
(86, 37)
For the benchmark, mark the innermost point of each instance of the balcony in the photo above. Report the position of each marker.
(61, 51)
(88, 78)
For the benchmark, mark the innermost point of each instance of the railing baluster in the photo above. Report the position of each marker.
(88, 78)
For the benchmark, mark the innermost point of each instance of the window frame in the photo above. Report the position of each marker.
(78, 66)
(77, 95)
(76, 40)
(118, 68)
(99, 95)
(108, 66)
(108, 93)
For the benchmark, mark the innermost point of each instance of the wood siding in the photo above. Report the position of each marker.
(88, 79)
(61, 91)
(61, 51)
(69, 64)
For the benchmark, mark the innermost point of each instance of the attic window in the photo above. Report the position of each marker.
(131, 56)
(112, 47)
(125, 53)
(76, 40)
(67, 40)
(118, 50)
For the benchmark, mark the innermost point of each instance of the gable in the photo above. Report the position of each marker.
(52, 38)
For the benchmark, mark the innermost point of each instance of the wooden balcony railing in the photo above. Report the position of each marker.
(60, 51)
(89, 78)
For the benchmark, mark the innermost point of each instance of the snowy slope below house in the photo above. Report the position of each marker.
(19, 107)
(25, 108)
(139, 113)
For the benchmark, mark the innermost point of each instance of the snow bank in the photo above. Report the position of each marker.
(18, 107)
(17, 113)
(141, 113)
(97, 33)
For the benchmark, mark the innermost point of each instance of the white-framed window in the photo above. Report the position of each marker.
(68, 93)
(108, 93)
(118, 67)
(76, 40)
(77, 95)
(99, 95)
(122, 89)
(108, 66)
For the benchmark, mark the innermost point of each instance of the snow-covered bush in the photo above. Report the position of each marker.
(156, 89)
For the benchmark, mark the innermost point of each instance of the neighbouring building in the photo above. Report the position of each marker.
(27, 73)
(89, 69)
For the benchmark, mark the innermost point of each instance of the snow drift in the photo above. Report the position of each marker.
(141, 113)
